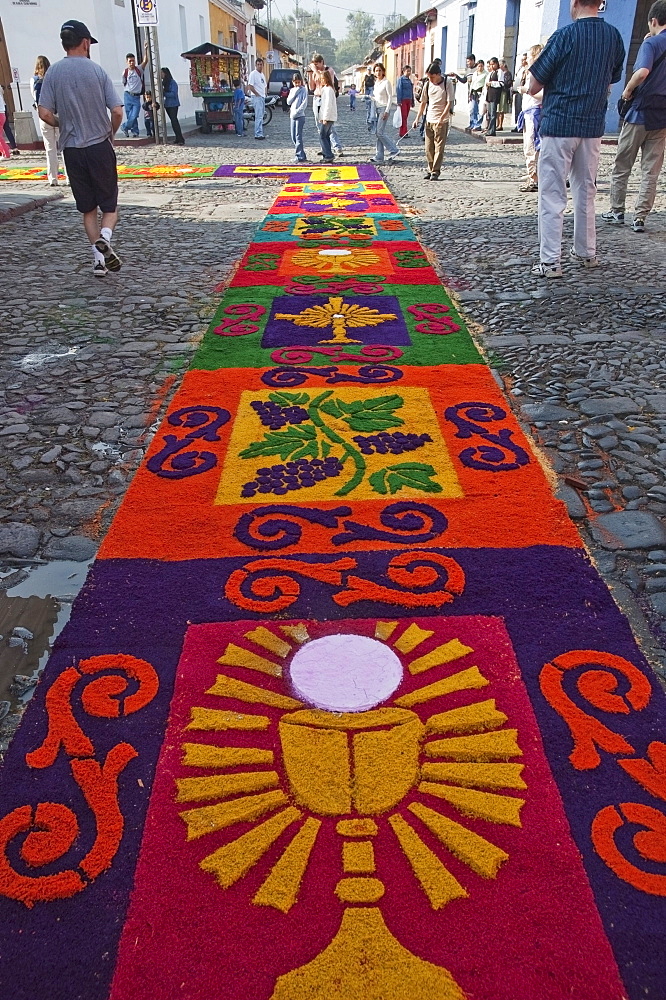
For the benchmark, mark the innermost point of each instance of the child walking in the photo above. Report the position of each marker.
(238, 107)
(352, 98)
(297, 100)
(328, 115)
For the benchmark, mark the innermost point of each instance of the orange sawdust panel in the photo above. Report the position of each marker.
(237, 467)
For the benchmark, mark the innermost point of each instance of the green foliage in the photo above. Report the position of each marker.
(295, 442)
(414, 474)
(366, 414)
(289, 398)
(358, 42)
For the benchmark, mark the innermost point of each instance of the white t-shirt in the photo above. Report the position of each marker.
(258, 81)
(438, 98)
(2, 102)
(528, 100)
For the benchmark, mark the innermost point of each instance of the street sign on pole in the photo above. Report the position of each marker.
(146, 12)
(16, 76)
(272, 57)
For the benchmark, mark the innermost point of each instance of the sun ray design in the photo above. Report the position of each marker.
(215, 719)
(479, 805)
(488, 746)
(479, 854)
(280, 890)
(469, 719)
(354, 768)
(220, 786)
(236, 656)
(450, 651)
(412, 637)
(231, 862)
(476, 775)
(470, 678)
(207, 819)
(439, 885)
(298, 633)
(268, 640)
(203, 755)
(384, 630)
(229, 687)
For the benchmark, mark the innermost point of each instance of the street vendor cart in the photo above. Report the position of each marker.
(212, 72)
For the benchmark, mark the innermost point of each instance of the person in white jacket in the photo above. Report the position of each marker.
(49, 133)
(383, 99)
(328, 115)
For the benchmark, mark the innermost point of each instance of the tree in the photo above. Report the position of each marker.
(313, 35)
(358, 42)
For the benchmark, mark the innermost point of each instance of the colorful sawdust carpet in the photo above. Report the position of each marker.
(183, 171)
(343, 710)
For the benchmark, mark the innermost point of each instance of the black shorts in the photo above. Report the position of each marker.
(93, 176)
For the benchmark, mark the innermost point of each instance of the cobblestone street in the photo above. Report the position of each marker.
(88, 365)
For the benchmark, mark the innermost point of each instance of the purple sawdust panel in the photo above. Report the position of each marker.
(305, 319)
(552, 601)
(365, 172)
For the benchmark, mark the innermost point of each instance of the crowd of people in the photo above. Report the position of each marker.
(559, 98)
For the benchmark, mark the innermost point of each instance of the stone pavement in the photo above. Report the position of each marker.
(89, 365)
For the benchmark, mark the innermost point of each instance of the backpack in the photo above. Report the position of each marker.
(284, 90)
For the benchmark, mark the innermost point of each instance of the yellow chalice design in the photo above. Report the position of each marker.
(340, 316)
(348, 761)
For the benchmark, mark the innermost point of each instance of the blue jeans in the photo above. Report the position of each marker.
(352, 104)
(325, 130)
(385, 140)
(335, 142)
(259, 105)
(370, 113)
(492, 118)
(297, 125)
(132, 104)
(239, 123)
(474, 116)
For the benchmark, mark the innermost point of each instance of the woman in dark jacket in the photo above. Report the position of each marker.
(493, 94)
(172, 103)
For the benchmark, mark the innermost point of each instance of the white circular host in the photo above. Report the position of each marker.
(345, 673)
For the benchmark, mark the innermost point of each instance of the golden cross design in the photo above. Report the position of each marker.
(339, 315)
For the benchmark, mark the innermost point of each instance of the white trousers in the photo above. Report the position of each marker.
(577, 160)
(50, 137)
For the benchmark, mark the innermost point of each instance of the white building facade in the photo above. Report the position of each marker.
(506, 28)
(32, 28)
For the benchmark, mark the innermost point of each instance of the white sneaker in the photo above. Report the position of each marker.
(583, 261)
(53, 184)
(111, 259)
(547, 270)
(99, 269)
(392, 159)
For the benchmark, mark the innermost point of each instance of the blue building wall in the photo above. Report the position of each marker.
(621, 14)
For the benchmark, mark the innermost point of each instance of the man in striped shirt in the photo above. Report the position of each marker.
(575, 70)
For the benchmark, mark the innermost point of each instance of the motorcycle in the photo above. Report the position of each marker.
(248, 113)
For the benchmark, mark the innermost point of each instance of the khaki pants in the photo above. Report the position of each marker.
(435, 141)
(577, 159)
(531, 153)
(651, 144)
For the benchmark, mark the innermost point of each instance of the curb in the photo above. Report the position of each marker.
(24, 203)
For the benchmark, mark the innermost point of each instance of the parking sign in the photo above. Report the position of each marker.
(146, 12)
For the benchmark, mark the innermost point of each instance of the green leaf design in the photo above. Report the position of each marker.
(378, 481)
(282, 443)
(325, 449)
(289, 398)
(416, 475)
(310, 449)
(331, 406)
(375, 414)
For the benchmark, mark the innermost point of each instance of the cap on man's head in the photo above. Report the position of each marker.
(79, 29)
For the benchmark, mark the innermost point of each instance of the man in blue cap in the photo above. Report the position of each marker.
(76, 97)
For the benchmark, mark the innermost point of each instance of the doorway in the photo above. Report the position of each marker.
(511, 22)
(638, 33)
